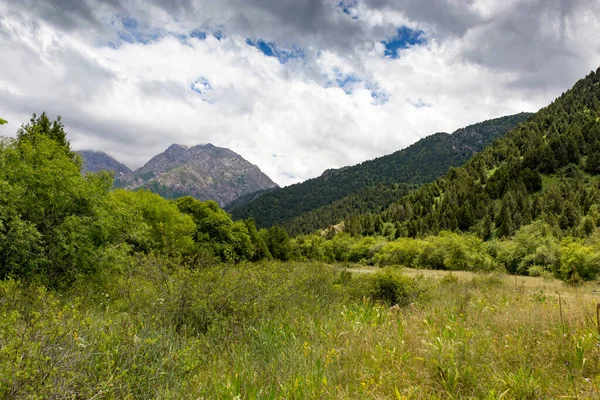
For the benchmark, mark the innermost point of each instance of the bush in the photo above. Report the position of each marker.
(391, 287)
(364, 250)
(404, 251)
(578, 261)
(532, 245)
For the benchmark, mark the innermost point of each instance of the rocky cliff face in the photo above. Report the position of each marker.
(205, 172)
(94, 161)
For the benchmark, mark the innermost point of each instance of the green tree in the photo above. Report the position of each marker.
(278, 242)
(261, 251)
(592, 163)
(148, 223)
(216, 231)
(47, 206)
(505, 221)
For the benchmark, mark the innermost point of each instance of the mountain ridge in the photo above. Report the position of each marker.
(205, 172)
(94, 161)
(545, 171)
(419, 163)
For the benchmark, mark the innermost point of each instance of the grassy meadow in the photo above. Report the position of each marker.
(296, 331)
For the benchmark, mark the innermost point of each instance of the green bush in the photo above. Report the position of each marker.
(404, 251)
(578, 261)
(391, 287)
(534, 244)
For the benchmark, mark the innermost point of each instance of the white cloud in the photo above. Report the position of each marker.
(134, 99)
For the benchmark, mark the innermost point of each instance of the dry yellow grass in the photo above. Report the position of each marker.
(588, 292)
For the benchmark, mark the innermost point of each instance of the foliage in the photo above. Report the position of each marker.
(392, 287)
(373, 199)
(48, 210)
(148, 223)
(578, 261)
(278, 242)
(217, 232)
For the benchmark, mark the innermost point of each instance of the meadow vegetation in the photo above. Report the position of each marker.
(292, 330)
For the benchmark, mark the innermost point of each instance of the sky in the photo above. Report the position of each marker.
(293, 86)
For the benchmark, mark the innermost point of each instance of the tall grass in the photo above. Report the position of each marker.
(295, 331)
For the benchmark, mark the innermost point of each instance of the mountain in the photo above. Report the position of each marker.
(247, 198)
(372, 199)
(94, 161)
(422, 162)
(205, 172)
(546, 170)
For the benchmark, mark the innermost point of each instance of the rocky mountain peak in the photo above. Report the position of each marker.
(175, 150)
(206, 172)
(94, 161)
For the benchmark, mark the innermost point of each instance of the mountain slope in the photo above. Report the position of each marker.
(372, 199)
(205, 172)
(94, 161)
(546, 169)
(421, 162)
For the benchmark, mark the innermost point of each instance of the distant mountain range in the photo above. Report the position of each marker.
(422, 162)
(205, 172)
(94, 161)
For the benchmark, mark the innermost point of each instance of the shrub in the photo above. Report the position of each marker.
(578, 261)
(392, 287)
(455, 252)
(403, 251)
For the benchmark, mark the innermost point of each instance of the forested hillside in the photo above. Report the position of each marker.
(422, 162)
(372, 199)
(547, 168)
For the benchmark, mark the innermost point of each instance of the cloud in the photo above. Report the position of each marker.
(453, 17)
(319, 83)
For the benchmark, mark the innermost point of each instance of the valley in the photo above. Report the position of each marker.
(466, 265)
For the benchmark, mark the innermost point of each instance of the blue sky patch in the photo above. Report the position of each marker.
(129, 23)
(349, 7)
(346, 82)
(202, 34)
(264, 47)
(379, 97)
(129, 31)
(270, 49)
(201, 86)
(198, 34)
(219, 34)
(405, 38)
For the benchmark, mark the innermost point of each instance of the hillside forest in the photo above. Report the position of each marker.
(366, 187)
(110, 293)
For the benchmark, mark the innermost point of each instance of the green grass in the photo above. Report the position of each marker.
(297, 331)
